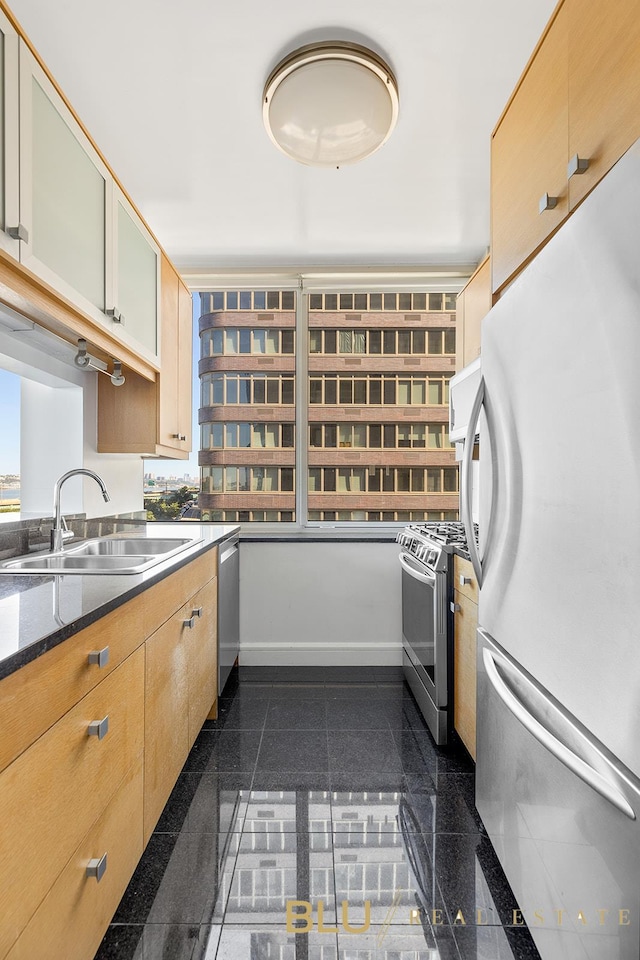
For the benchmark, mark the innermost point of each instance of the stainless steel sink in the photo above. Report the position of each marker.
(105, 555)
(125, 546)
(67, 563)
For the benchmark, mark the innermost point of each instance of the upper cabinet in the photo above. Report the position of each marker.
(604, 87)
(529, 193)
(9, 130)
(573, 114)
(154, 419)
(78, 232)
(473, 304)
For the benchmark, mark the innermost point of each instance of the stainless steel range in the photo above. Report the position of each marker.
(427, 624)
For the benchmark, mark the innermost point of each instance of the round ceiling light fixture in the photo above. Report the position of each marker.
(330, 103)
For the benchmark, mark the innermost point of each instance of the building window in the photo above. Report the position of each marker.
(373, 389)
(369, 428)
(435, 342)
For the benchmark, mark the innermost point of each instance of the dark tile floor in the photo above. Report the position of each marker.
(320, 785)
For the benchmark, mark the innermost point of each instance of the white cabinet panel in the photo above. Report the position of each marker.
(68, 202)
(9, 199)
(136, 279)
(82, 236)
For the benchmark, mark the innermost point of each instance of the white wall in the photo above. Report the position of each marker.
(58, 432)
(320, 603)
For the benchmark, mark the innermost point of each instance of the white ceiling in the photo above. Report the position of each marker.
(171, 93)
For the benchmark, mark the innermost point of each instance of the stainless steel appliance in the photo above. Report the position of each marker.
(426, 621)
(228, 608)
(558, 765)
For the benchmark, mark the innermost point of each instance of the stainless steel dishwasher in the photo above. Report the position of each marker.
(228, 608)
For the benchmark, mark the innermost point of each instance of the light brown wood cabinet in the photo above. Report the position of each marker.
(68, 797)
(154, 419)
(579, 96)
(604, 86)
(473, 304)
(55, 791)
(529, 153)
(180, 685)
(465, 620)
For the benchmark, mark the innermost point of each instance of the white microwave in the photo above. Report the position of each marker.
(463, 388)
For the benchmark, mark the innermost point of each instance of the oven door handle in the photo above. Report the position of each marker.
(423, 577)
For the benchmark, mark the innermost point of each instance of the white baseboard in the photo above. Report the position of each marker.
(314, 654)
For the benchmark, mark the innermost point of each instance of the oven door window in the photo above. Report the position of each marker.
(418, 617)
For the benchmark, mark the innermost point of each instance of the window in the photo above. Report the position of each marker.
(375, 445)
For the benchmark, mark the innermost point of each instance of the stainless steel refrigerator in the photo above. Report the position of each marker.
(558, 752)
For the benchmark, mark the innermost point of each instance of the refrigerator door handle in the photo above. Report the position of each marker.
(593, 778)
(466, 482)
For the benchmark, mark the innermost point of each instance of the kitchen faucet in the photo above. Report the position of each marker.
(60, 532)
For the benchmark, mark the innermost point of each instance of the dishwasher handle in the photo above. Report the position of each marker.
(228, 549)
(569, 758)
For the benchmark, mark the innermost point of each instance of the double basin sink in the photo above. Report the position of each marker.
(105, 555)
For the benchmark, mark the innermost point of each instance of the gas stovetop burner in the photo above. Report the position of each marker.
(445, 531)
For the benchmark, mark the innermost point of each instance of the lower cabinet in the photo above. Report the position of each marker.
(180, 690)
(72, 918)
(81, 796)
(465, 623)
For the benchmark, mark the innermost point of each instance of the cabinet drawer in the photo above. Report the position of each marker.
(64, 675)
(70, 922)
(55, 791)
(464, 671)
(464, 569)
(162, 600)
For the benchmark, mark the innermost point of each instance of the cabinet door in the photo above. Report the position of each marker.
(54, 791)
(474, 303)
(465, 623)
(9, 174)
(134, 283)
(166, 715)
(529, 158)
(604, 86)
(202, 657)
(63, 194)
(175, 381)
(185, 364)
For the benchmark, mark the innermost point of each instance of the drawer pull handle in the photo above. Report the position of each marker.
(178, 436)
(464, 580)
(190, 622)
(18, 233)
(577, 165)
(547, 203)
(99, 728)
(454, 607)
(100, 657)
(115, 315)
(97, 867)
(196, 612)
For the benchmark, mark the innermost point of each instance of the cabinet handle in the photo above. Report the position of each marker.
(577, 165)
(464, 580)
(115, 315)
(18, 233)
(454, 607)
(547, 203)
(99, 728)
(196, 612)
(99, 657)
(97, 867)
(189, 623)
(178, 436)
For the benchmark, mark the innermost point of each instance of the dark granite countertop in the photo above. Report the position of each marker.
(39, 612)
